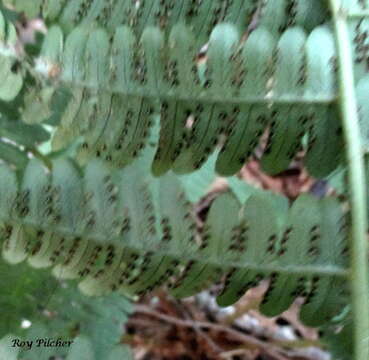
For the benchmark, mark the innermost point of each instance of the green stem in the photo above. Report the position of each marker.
(359, 242)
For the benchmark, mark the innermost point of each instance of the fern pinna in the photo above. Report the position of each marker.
(274, 80)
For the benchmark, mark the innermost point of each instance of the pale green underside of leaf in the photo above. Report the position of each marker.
(244, 89)
(107, 73)
(145, 63)
(128, 233)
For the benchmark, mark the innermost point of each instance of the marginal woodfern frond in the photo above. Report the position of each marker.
(241, 92)
(124, 232)
(285, 85)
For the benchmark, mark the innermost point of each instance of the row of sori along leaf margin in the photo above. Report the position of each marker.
(285, 84)
(126, 233)
(230, 100)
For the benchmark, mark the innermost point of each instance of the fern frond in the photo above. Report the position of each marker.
(121, 232)
(150, 66)
(241, 90)
(201, 15)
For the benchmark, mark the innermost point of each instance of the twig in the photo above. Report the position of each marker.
(197, 328)
(251, 341)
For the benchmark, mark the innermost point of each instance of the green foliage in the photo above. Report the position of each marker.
(202, 16)
(81, 349)
(19, 140)
(123, 232)
(23, 290)
(231, 105)
(271, 82)
(57, 310)
(130, 73)
(11, 80)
